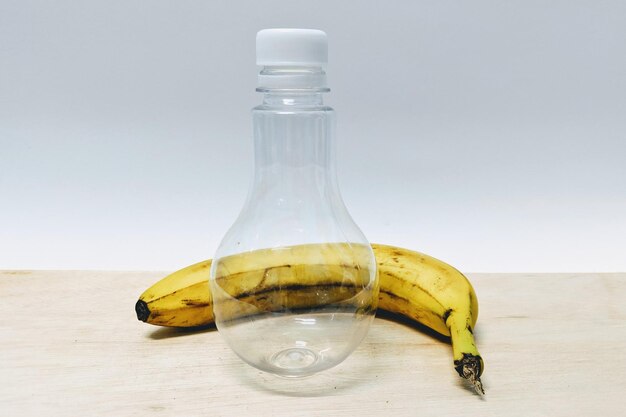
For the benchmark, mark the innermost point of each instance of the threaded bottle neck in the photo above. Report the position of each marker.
(292, 78)
(300, 99)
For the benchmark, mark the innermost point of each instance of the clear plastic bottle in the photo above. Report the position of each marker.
(294, 280)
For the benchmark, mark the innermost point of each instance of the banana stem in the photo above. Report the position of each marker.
(467, 360)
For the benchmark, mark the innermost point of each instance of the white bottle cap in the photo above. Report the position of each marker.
(293, 59)
(291, 47)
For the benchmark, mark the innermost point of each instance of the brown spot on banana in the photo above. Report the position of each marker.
(196, 303)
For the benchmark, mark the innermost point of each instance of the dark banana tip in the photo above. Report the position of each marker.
(142, 310)
(470, 367)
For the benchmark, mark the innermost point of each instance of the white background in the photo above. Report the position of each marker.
(489, 134)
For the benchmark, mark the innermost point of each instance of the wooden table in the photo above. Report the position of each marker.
(553, 344)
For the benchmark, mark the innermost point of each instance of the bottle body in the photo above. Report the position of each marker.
(294, 280)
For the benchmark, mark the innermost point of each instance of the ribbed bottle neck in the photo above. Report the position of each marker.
(296, 78)
(293, 99)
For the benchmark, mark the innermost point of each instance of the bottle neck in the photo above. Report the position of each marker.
(292, 99)
(292, 78)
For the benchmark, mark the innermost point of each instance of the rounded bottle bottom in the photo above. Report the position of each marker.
(297, 346)
(294, 359)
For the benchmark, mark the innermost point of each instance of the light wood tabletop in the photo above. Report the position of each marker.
(553, 345)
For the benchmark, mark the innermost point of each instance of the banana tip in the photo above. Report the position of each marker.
(470, 368)
(142, 310)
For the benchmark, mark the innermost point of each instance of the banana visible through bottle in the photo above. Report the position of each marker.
(305, 278)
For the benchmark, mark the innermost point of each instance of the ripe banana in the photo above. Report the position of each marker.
(412, 284)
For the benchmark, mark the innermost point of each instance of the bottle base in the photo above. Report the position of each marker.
(295, 360)
(296, 345)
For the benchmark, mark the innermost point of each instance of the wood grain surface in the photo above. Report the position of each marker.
(70, 345)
